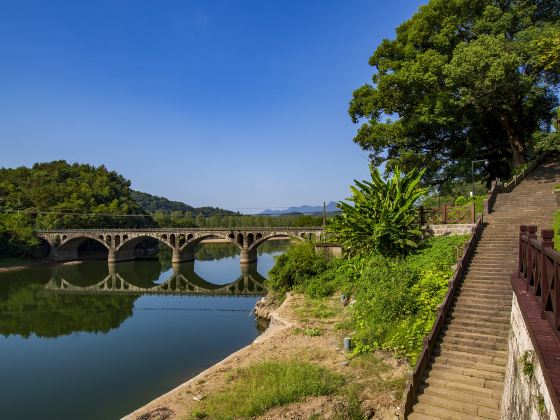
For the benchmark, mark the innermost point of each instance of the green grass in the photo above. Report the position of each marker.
(310, 332)
(315, 308)
(377, 372)
(252, 391)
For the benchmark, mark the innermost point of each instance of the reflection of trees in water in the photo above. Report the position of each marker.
(209, 251)
(272, 246)
(26, 308)
(217, 251)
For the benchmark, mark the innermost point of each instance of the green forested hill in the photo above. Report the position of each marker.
(59, 194)
(152, 204)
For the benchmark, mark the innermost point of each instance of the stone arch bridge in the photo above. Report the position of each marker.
(120, 243)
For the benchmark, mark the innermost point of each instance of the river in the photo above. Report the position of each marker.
(93, 341)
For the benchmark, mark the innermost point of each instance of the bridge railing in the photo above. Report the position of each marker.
(179, 229)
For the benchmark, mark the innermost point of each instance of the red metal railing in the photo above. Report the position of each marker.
(447, 215)
(539, 268)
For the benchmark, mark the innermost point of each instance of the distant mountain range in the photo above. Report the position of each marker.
(305, 209)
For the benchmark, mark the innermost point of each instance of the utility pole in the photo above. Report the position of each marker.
(324, 215)
(473, 193)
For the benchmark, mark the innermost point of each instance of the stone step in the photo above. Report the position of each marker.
(459, 409)
(469, 356)
(492, 315)
(469, 348)
(442, 413)
(478, 304)
(457, 406)
(476, 279)
(492, 291)
(484, 294)
(482, 302)
(481, 334)
(469, 371)
(487, 283)
(492, 259)
(487, 273)
(493, 265)
(497, 343)
(461, 396)
(476, 324)
(421, 416)
(477, 383)
(466, 363)
(476, 319)
(449, 383)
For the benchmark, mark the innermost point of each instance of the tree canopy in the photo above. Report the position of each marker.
(59, 194)
(462, 80)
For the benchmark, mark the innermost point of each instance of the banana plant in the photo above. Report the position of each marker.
(381, 215)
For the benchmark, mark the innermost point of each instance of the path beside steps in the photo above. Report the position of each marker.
(466, 375)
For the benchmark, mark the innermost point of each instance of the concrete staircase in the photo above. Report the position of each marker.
(466, 376)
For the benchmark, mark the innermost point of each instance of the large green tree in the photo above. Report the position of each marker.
(462, 80)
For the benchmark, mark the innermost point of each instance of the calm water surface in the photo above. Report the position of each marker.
(89, 341)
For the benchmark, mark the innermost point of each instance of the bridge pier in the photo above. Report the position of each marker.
(121, 255)
(248, 256)
(184, 255)
(63, 254)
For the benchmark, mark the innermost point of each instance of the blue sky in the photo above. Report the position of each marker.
(240, 104)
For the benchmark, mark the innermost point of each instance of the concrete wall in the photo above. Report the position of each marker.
(332, 250)
(455, 229)
(525, 396)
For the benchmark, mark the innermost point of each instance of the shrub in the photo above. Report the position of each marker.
(296, 267)
(397, 299)
(383, 217)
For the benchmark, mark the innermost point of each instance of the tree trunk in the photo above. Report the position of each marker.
(516, 143)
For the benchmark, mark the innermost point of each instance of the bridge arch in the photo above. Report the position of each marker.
(68, 248)
(128, 243)
(260, 238)
(192, 240)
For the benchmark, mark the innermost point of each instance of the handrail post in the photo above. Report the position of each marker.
(532, 231)
(473, 214)
(444, 215)
(529, 255)
(547, 236)
(522, 234)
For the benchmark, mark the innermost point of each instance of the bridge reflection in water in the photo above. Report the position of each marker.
(122, 279)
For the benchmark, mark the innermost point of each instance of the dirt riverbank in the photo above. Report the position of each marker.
(21, 265)
(300, 330)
